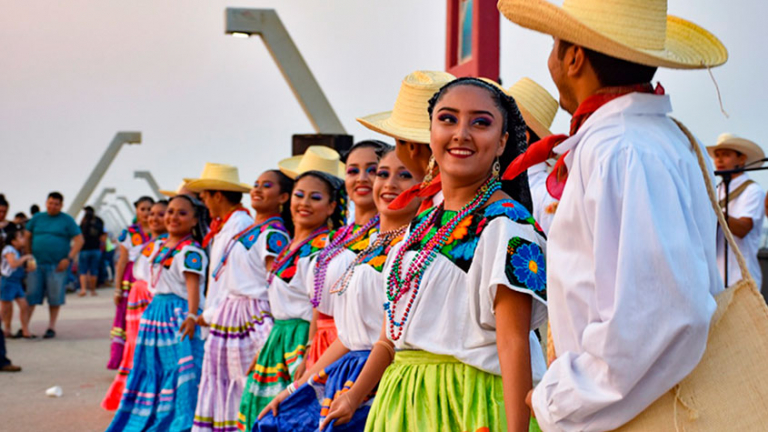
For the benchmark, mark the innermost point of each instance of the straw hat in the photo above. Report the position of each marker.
(639, 31)
(536, 105)
(170, 193)
(218, 177)
(741, 145)
(316, 158)
(409, 120)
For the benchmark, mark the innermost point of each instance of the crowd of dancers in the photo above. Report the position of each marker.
(402, 287)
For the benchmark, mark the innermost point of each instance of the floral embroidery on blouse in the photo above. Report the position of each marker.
(169, 259)
(378, 256)
(138, 237)
(525, 265)
(287, 271)
(277, 241)
(250, 238)
(462, 242)
(193, 261)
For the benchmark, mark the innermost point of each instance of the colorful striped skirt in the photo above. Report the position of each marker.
(138, 300)
(324, 336)
(239, 329)
(422, 391)
(307, 407)
(161, 390)
(284, 350)
(118, 326)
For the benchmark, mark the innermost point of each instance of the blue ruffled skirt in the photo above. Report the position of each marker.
(161, 390)
(307, 407)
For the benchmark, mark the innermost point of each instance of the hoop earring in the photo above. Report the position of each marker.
(496, 169)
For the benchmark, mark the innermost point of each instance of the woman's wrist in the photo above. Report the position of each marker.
(192, 316)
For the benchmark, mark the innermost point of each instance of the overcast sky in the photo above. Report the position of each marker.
(74, 73)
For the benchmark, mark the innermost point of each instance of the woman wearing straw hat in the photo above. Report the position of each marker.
(316, 208)
(242, 322)
(161, 389)
(221, 191)
(358, 295)
(132, 240)
(408, 124)
(631, 259)
(138, 300)
(464, 288)
(745, 204)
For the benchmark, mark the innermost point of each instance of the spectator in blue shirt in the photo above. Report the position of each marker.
(56, 241)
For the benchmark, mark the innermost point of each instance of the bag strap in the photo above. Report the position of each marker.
(714, 201)
(732, 195)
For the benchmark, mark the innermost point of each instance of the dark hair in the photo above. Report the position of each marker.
(34, 209)
(162, 201)
(142, 199)
(11, 231)
(611, 71)
(56, 196)
(532, 136)
(20, 214)
(88, 215)
(200, 212)
(337, 194)
(3, 201)
(379, 147)
(516, 188)
(285, 184)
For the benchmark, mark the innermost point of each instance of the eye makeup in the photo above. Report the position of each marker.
(383, 173)
(316, 196)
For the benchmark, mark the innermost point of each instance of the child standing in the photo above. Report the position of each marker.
(12, 270)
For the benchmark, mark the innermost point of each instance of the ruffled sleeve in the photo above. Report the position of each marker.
(193, 260)
(511, 253)
(274, 242)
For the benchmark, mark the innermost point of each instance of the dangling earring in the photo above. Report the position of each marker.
(496, 170)
(430, 172)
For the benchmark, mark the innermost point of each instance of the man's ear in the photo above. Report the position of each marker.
(575, 60)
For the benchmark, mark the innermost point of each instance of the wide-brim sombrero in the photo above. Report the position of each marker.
(639, 31)
(409, 119)
(536, 105)
(218, 177)
(742, 145)
(316, 158)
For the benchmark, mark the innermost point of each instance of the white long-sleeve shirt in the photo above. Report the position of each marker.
(631, 266)
(750, 204)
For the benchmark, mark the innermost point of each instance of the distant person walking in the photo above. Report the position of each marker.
(56, 242)
(3, 214)
(92, 228)
(34, 209)
(13, 273)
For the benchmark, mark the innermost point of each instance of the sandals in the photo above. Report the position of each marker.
(49, 334)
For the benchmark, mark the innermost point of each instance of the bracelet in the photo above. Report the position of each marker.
(193, 316)
(388, 347)
(291, 388)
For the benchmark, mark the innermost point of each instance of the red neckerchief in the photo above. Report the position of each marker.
(420, 190)
(541, 150)
(218, 223)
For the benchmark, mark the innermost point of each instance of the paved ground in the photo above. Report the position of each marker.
(74, 360)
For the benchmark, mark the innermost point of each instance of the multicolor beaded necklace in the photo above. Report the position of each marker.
(275, 220)
(344, 238)
(286, 254)
(398, 286)
(383, 238)
(170, 251)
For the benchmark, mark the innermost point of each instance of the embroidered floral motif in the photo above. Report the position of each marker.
(169, 259)
(193, 261)
(276, 241)
(378, 257)
(363, 241)
(461, 245)
(525, 265)
(287, 271)
(148, 248)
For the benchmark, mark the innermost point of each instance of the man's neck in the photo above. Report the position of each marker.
(226, 210)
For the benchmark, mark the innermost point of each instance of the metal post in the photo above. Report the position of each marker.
(101, 167)
(146, 175)
(267, 24)
(128, 205)
(122, 220)
(100, 200)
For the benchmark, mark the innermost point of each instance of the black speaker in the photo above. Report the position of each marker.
(340, 143)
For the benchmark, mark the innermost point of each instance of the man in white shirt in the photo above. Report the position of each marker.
(631, 266)
(745, 205)
(221, 192)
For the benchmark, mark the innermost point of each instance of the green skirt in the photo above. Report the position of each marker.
(422, 391)
(282, 353)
